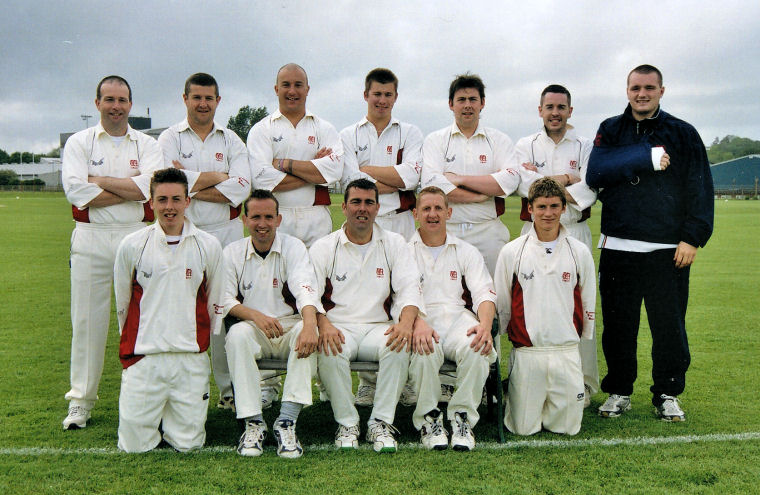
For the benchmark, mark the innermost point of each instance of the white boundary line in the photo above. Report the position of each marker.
(516, 444)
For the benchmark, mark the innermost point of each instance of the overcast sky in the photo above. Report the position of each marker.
(54, 52)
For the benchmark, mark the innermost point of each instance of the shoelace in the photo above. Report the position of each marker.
(346, 431)
(385, 428)
(77, 411)
(437, 428)
(254, 434)
(462, 426)
(288, 432)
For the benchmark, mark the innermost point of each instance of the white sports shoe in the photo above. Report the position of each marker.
(432, 434)
(287, 442)
(615, 405)
(76, 418)
(586, 396)
(347, 437)
(268, 396)
(408, 395)
(462, 437)
(447, 391)
(670, 409)
(365, 395)
(382, 436)
(226, 403)
(251, 442)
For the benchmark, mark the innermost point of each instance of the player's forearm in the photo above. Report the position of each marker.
(212, 195)
(483, 184)
(384, 188)
(486, 312)
(408, 315)
(460, 195)
(309, 315)
(123, 187)
(303, 169)
(105, 198)
(288, 183)
(209, 179)
(385, 175)
(243, 313)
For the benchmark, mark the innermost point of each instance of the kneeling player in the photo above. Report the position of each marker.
(271, 273)
(167, 280)
(454, 281)
(546, 296)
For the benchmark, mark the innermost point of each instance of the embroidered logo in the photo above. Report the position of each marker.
(277, 140)
(188, 273)
(312, 140)
(389, 150)
(539, 165)
(573, 164)
(219, 157)
(133, 164)
(590, 315)
(565, 276)
(146, 274)
(218, 309)
(580, 397)
(417, 168)
(308, 289)
(275, 283)
(340, 278)
(186, 156)
(243, 181)
(492, 291)
(483, 158)
(98, 163)
(528, 276)
(453, 275)
(247, 287)
(598, 139)
(379, 272)
(449, 160)
(363, 148)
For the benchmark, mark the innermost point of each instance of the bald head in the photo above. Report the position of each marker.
(290, 67)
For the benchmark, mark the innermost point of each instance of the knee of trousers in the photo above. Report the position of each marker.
(388, 357)
(240, 335)
(420, 364)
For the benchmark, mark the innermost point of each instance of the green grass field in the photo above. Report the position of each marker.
(716, 451)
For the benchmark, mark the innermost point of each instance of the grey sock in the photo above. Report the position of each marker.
(289, 410)
(258, 417)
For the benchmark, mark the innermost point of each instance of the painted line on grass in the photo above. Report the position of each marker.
(515, 444)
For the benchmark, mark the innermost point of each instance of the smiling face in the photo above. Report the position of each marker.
(201, 103)
(644, 93)
(546, 214)
(360, 208)
(555, 110)
(262, 221)
(380, 100)
(291, 89)
(169, 201)
(114, 106)
(466, 106)
(432, 213)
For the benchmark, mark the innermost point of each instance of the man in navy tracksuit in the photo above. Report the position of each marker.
(656, 189)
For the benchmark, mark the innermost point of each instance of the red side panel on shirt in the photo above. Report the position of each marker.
(321, 196)
(407, 201)
(147, 212)
(289, 298)
(577, 309)
(80, 215)
(524, 213)
(234, 212)
(500, 208)
(131, 325)
(466, 295)
(202, 318)
(387, 305)
(516, 329)
(327, 301)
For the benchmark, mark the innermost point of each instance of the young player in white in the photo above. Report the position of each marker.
(557, 151)
(167, 281)
(297, 155)
(389, 153)
(371, 294)
(269, 286)
(455, 281)
(475, 166)
(546, 298)
(106, 176)
(215, 161)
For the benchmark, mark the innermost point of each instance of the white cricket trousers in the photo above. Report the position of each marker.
(489, 237)
(246, 343)
(93, 252)
(307, 223)
(364, 342)
(472, 367)
(545, 389)
(170, 389)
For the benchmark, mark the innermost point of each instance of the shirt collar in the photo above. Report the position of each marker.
(130, 132)
(276, 246)
(188, 230)
(378, 234)
(534, 237)
(185, 126)
(277, 114)
(450, 239)
(364, 121)
(478, 131)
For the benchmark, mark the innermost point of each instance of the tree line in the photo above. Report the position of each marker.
(731, 147)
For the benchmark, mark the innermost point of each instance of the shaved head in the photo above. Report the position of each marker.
(292, 66)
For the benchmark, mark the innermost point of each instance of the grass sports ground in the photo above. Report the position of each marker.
(717, 450)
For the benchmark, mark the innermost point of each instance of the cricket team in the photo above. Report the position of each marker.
(377, 289)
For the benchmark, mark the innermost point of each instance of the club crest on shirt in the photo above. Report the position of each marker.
(277, 140)
(389, 150)
(565, 276)
(98, 163)
(340, 278)
(453, 275)
(483, 158)
(590, 315)
(573, 164)
(312, 139)
(219, 157)
(453, 157)
(188, 273)
(379, 272)
(275, 283)
(134, 164)
(186, 156)
(528, 276)
(247, 286)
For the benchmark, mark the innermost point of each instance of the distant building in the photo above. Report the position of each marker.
(48, 170)
(739, 176)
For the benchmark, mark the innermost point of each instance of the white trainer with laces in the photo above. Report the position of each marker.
(76, 418)
(408, 395)
(252, 440)
(382, 436)
(365, 395)
(287, 442)
(347, 437)
(670, 409)
(615, 405)
(433, 435)
(462, 437)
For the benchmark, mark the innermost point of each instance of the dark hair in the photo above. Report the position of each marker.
(646, 69)
(546, 187)
(113, 78)
(261, 194)
(201, 79)
(555, 88)
(467, 80)
(380, 76)
(434, 190)
(364, 184)
(169, 175)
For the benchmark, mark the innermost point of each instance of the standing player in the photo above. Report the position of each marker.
(215, 162)
(167, 280)
(475, 167)
(657, 209)
(297, 155)
(106, 176)
(271, 273)
(389, 153)
(371, 295)
(547, 296)
(557, 151)
(460, 304)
